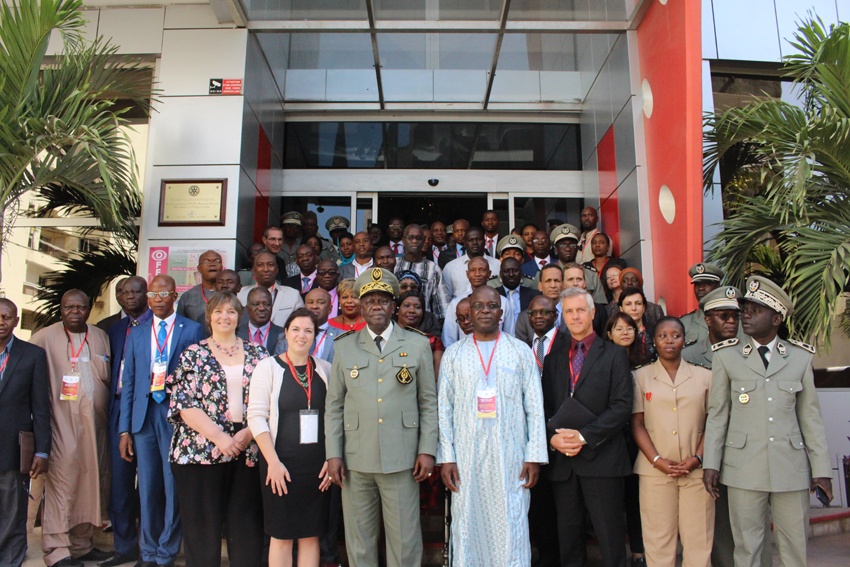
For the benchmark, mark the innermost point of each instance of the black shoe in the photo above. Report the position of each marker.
(96, 555)
(69, 562)
(119, 559)
(142, 563)
(639, 562)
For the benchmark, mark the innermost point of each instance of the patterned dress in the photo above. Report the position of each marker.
(490, 512)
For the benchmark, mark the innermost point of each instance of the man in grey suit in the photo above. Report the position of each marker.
(722, 315)
(764, 436)
(257, 327)
(381, 427)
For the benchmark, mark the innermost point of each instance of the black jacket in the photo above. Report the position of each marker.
(526, 294)
(295, 283)
(24, 402)
(605, 388)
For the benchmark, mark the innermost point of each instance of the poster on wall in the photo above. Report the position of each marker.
(181, 263)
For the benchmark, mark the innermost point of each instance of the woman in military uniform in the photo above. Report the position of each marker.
(668, 423)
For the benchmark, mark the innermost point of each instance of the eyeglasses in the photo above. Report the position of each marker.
(211, 262)
(538, 241)
(544, 312)
(479, 306)
(370, 301)
(163, 294)
(414, 237)
(735, 315)
(396, 226)
(463, 318)
(327, 272)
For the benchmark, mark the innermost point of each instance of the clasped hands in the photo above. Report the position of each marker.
(567, 441)
(675, 469)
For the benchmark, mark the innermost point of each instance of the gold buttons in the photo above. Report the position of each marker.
(380, 380)
(674, 409)
(380, 421)
(380, 400)
(674, 432)
(405, 366)
(674, 389)
(381, 360)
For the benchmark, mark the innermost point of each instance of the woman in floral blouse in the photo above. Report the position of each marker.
(213, 454)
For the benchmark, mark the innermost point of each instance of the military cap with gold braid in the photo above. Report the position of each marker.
(725, 297)
(764, 292)
(705, 272)
(565, 231)
(293, 217)
(337, 223)
(510, 241)
(376, 279)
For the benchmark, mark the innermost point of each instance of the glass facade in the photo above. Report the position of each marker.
(431, 145)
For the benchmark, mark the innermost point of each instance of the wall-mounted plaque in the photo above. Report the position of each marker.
(192, 202)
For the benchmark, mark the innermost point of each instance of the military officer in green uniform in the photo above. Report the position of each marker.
(565, 240)
(512, 246)
(764, 436)
(381, 427)
(705, 278)
(722, 318)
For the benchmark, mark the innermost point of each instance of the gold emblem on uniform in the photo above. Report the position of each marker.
(743, 398)
(354, 373)
(565, 230)
(377, 274)
(512, 240)
(700, 269)
(753, 285)
(403, 354)
(730, 292)
(404, 376)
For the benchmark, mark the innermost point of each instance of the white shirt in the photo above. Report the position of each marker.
(770, 347)
(544, 261)
(385, 335)
(360, 268)
(399, 245)
(169, 323)
(549, 336)
(454, 275)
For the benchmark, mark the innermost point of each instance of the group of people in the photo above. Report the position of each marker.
(340, 381)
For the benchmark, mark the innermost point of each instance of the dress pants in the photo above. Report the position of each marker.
(602, 497)
(748, 512)
(329, 540)
(74, 543)
(364, 497)
(723, 551)
(13, 518)
(161, 532)
(676, 508)
(123, 495)
(543, 524)
(225, 495)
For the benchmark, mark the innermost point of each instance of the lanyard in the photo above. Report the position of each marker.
(309, 389)
(264, 337)
(3, 367)
(204, 293)
(573, 374)
(319, 344)
(490, 363)
(74, 356)
(161, 349)
(540, 362)
(602, 269)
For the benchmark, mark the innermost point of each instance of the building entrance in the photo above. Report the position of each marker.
(416, 208)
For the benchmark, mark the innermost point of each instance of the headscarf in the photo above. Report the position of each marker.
(631, 271)
(410, 275)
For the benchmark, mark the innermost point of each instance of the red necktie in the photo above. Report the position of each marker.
(542, 263)
(395, 248)
(258, 338)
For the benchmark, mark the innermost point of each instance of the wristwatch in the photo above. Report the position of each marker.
(699, 459)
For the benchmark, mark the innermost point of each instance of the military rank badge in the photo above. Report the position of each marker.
(404, 376)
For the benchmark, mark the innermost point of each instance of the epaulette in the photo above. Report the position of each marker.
(345, 334)
(689, 343)
(495, 277)
(689, 313)
(699, 364)
(424, 334)
(728, 342)
(802, 345)
(526, 276)
(642, 365)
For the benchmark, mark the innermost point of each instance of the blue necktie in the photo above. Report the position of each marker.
(305, 284)
(161, 339)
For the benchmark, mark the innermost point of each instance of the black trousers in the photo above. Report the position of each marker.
(13, 517)
(212, 497)
(632, 495)
(543, 524)
(603, 500)
(328, 542)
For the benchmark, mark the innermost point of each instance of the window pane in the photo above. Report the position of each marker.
(324, 207)
(305, 9)
(539, 210)
(438, 9)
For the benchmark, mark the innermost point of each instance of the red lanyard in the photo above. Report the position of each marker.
(3, 367)
(74, 356)
(319, 344)
(490, 363)
(309, 389)
(263, 341)
(573, 374)
(602, 269)
(204, 294)
(540, 362)
(161, 349)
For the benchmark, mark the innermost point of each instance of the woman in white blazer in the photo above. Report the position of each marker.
(286, 415)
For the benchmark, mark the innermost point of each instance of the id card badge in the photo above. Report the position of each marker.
(70, 386)
(309, 422)
(486, 403)
(158, 378)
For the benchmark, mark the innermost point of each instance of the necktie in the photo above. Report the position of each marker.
(305, 284)
(513, 295)
(541, 351)
(258, 338)
(162, 342)
(490, 247)
(578, 362)
(378, 341)
(395, 247)
(763, 350)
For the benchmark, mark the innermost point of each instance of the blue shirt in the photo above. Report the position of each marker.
(4, 355)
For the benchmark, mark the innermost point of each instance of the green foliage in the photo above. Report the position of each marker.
(789, 213)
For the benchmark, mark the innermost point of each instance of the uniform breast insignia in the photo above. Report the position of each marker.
(802, 345)
(404, 376)
(689, 343)
(649, 396)
(354, 373)
(780, 348)
(743, 398)
(345, 334)
(748, 348)
(728, 342)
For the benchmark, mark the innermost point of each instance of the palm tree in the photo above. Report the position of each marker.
(61, 136)
(789, 212)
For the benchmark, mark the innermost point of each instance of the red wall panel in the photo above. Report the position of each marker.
(609, 212)
(264, 172)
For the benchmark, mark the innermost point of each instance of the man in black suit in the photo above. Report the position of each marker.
(587, 399)
(104, 324)
(510, 273)
(256, 325)
(456, 250)
(25, 406)
(305, 280)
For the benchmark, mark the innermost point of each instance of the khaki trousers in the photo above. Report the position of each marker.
(748, 510)
(672, 508)
(364, 497)
(74, 543)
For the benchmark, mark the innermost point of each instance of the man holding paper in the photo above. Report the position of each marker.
(587, 398)
(492, 438)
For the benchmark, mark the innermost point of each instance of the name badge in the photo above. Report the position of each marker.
(158, 378)
(487, 403)
(309, 422)
(70, 386)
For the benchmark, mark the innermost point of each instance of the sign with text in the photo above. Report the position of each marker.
(226, 86)
(192, 202)
(179, 262)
